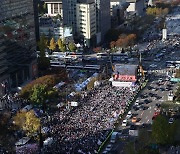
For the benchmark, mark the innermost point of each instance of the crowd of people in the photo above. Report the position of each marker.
(83, 129)
(11, 101)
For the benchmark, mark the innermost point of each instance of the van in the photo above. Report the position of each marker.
(114, 137)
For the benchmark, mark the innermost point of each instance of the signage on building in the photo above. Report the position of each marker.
(124, 77)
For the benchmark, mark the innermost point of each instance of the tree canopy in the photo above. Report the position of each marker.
(162, 132)
(72, 46)
(39, 94)
(27, 121)
(43, 61)
(52, 45)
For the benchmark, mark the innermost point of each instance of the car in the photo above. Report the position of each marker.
(149, 88)
(129, 115)
(158, 105)
(171, 120)
(147, 101)
(151, 94)
(158, 97)
(143, 96)
(124, 123)
(114, 137)
(143, 107)
(137, 103)
(109, 147)
(133, 127)
(160, 80)
(135, 107)
(157, 59)
(134, 119)
(162, 89)
(153, 65)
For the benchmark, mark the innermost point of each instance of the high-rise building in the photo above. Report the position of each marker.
(69, 14)
(86, 21)
(17, 44)
(103, 18)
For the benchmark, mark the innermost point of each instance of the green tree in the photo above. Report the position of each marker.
(39, 94)
(130, 148)
(27, 121)
(59, 43)
(43, 61)
(72, 47)
(160, 130)
(52, 45)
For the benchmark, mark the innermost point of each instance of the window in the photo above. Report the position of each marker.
(52, 9)
(55, 8)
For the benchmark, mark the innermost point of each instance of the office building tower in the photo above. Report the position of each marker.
(69, 14)
(86, 21)
(103, 18)
(17, 44)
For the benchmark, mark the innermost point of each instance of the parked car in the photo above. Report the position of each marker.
(129, 115)
(147, 101)
(109, 147)
(124, 123)
(114, 137)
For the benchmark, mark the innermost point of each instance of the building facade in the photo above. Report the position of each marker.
(103, 18)
(136, 6)
(69, 11)
(86, 21)
(17, 44)
(54, 7)
(50, 28)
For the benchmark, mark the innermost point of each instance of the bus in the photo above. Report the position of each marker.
(102, 55)
(75, 54)
(173, 64)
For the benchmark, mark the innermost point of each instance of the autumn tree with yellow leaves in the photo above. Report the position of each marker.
(27, 121)
(52, 45)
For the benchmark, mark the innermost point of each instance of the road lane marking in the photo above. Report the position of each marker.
(142, 113)
(150, 111)
(146, 117)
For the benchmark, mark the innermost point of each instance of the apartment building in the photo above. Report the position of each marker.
(86, 21)
(17, 44)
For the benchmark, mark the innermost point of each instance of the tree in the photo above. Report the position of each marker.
(27, 121)
(72, 46)
(43, 61)
(160, 130)
(112, 44)
(97, 49)
(59, 43)
(130, 148)
(39, 94)
(52, 45)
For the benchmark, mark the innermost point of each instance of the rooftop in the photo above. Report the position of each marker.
(125, 69)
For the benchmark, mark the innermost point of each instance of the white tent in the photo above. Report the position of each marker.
(22, 141)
